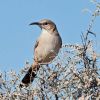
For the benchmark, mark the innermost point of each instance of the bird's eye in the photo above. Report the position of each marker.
(45, 23)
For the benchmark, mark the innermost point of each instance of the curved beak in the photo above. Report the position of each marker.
(35, 23)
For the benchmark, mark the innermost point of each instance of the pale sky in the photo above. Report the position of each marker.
(17, 38)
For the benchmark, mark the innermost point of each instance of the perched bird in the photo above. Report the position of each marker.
(46, 48)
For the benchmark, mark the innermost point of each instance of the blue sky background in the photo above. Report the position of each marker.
(17, 38)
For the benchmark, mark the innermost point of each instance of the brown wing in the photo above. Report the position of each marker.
(36, 44)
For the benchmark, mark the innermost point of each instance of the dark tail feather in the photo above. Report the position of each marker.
(30, 75)
(28, 78)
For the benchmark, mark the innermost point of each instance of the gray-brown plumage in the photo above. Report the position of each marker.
(46, 48)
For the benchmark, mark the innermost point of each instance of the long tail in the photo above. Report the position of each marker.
(30, 75)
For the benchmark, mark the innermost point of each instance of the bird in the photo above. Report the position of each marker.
(45, 50)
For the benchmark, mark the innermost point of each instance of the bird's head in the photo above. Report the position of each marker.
(45, 24)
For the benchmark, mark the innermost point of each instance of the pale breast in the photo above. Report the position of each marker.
(47, 48)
